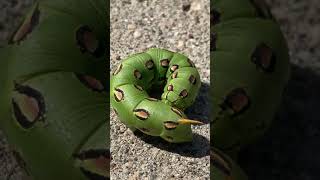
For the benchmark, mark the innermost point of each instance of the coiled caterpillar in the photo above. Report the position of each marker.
(53, 91)
(250, 65)
(137, 75)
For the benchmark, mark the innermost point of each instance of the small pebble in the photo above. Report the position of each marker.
(137, 34)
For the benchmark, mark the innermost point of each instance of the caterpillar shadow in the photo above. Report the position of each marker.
(290, 149)
(200, 110)
(199, 147)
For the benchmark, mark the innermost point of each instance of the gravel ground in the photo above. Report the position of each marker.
(181, 26)
(270, 158)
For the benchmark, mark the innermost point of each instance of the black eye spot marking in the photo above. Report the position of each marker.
(174, 67)
(237, 100)
(119, 68)
(99, 160)
(138, 87)
(177, 111)
(27, 26)
(170, 125)
(137, 74)
(165, 63)
(88, 42)
(264, 58)
(183, 93)
(28, 106)
(141, 114)
(118, 95)
(174, 75)
(192, 79)
(149, 64)
(91, 82)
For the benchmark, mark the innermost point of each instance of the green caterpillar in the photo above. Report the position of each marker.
(53, 91)
(138, 75)
(250, 65)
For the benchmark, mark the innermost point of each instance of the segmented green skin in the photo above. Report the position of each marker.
(133, 80)
(223, 167)
(52, 91)
(250, 65)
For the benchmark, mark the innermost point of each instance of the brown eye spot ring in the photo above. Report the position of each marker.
(264, 58)
(174, 75)
(173, 68)
(141, 114)
(164, 63)
(192, 79)
(177, 111)
(28, 106)
(88, 42)
(170, 125)
(98, 158)
(237, 100)
(137, 74)
(183, 93)
(138, 87)
(119, 68)
(149, 64)
(118, 95)
(91, 82)
(27, 26)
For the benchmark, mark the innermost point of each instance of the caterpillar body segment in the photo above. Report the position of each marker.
(135, 78)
